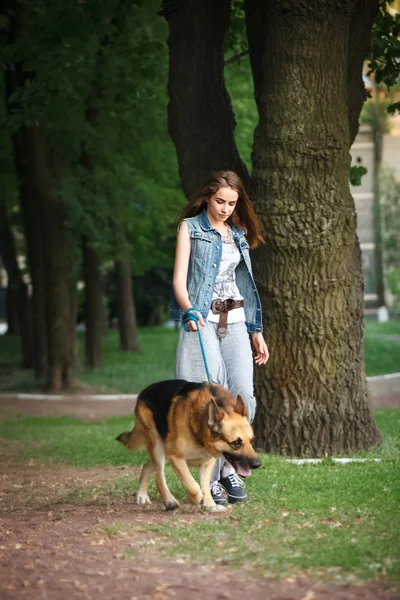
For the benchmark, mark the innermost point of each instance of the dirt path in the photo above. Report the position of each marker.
(62, 553)
(57, 544)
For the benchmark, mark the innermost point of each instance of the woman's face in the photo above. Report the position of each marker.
(222, 204)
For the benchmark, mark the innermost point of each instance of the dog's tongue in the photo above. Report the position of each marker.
(243, 471)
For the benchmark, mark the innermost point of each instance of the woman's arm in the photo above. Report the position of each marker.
(181, 266)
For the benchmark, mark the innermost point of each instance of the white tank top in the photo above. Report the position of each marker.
(225, 282)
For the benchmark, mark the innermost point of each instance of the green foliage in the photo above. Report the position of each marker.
(95, 78)
(385, 48)
(239, 83)
(392, 108)
(235, 41)
(356, 174)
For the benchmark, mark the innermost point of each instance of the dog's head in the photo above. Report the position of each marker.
(233, 435)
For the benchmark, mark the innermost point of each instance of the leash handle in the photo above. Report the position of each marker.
(190, 315)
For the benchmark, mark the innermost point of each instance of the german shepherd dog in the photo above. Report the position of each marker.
(189, 424)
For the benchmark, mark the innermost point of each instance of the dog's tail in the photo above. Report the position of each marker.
(132, 440)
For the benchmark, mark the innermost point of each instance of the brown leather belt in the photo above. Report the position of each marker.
(222, 307)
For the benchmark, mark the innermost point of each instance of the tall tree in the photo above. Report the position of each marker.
(127, 325)
(200, 117)
(312, 396)
(17, 297)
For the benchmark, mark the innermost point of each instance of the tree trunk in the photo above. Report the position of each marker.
(32, 222)
(58, 279)
(15, 78)
(312, 396)
(200, 117)
(17, 298)
(94, 306)
(46, 233)
(11, 316)
(127, 326)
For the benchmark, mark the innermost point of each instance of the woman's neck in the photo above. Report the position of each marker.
(221, 226)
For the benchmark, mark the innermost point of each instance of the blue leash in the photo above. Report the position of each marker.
(190, 315)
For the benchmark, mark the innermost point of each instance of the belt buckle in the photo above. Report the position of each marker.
(216, 307)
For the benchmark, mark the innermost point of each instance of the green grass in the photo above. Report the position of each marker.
(128, 372)
(382, 347)
(308, 517)
(71, 441)
(338, 522)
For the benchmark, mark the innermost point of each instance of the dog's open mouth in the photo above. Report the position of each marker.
(240, 467)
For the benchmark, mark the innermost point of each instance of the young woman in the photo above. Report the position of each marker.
(213, 276)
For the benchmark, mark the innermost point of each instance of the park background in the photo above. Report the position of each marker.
(112, 114)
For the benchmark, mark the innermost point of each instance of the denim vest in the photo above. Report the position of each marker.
(205, 256)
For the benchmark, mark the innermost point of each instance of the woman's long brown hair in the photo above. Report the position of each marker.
(243, 217)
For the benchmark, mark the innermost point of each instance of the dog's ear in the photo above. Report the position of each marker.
(215, 416)
(240, 406)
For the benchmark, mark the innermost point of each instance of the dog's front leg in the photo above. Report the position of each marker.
(179, 465)
(205, 476)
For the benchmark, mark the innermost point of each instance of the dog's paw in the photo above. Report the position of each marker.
(216, 508)
(171, 504)
(196, 498)
(142, 499)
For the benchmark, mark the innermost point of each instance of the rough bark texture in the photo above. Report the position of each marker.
(312, 395)
(17, 298)
(201, 121)
(94, 306)
(127, 326)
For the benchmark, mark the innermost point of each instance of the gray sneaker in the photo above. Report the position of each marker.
(217, 493)
(233, 486)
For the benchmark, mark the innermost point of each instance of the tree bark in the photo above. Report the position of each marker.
(312, 396)
(200, 116)
(363, 13)
(17, 298)
(32, 222)
(255, 27)
(127, 326)
(59, 282)
(94, 306)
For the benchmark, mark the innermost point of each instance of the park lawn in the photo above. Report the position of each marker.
(382, 347)
(127, 372)
(336, 522)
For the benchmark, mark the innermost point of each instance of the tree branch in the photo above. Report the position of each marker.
(236, 58)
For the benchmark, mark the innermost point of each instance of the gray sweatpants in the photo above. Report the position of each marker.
(229, 360)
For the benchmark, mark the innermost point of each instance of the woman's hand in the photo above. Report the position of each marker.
(192, 324)
(261, 348)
